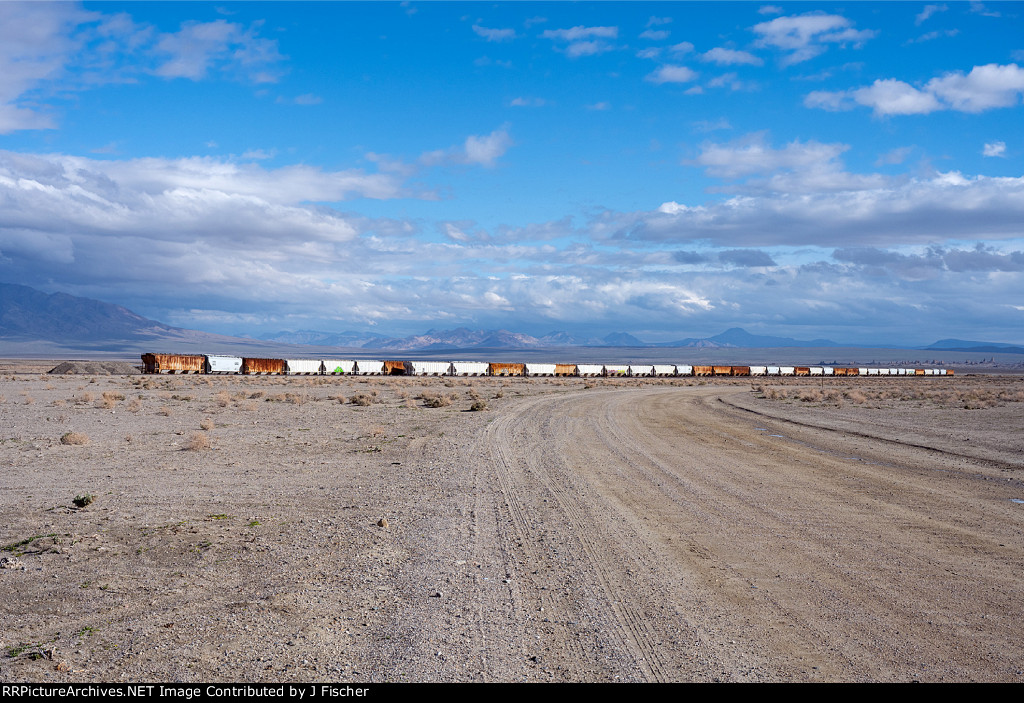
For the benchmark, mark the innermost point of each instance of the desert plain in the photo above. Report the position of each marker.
(264, 529)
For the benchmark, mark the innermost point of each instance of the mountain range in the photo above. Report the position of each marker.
(29, 316)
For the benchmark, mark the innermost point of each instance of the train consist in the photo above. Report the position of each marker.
(221, 364)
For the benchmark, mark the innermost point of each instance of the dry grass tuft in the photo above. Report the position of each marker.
(165, 411)
(207, 423)
(74, 438)
(362, 399)
(199, 441)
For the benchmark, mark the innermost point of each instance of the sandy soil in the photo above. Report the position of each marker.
(261, 529)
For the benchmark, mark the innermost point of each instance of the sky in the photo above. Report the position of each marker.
(851, 171)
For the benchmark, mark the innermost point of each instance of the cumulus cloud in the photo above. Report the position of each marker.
(583, 41)
(805, 36)
(730, 57)
(984, 88)
(670, 73)
(60, 45)
(994, 149)
(655, 34)
(495, 35)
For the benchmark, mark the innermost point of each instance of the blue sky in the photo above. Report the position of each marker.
(844, 170)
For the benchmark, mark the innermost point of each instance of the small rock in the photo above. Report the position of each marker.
(12, 563)
(383, 522)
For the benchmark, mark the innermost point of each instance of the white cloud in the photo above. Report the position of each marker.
(670, 73)
(730, 57)
(984, 88)
(496, 35)
(655, 34)
(994, 149)
(527, 102)
(486, 149)
(928, 11)
(583, 41)
(581, 32)
(199, 47)
(805, 36)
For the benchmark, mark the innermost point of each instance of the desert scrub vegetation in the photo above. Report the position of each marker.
(889, 395)
(478, 405)
(362, 399)
(199, 441)
(74, 438)
(207, 423)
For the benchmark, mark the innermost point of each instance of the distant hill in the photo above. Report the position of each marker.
(30, 314)
(970, 346)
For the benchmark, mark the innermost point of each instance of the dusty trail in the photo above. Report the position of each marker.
(663, 535)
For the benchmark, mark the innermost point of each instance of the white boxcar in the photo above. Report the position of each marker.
(787, 371)
(758, 370)
(369, 367)
(305, 367)
(862, 371)
(342, 367)
(894, 372)
(829, 371)
(616, 370)
(684, 370)
(589, 369)
(817, 371)
(428, 368)
(663, 370)
(873, 372)
(773, 370)
(641, 370)
(469, 368)
(218, 363)
(540, 369)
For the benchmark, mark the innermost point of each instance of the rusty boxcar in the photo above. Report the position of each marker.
(253, 366)
(501, 369)
(703, 370)
(565, 369)
(394, 368)
(740, 370)
(173, 363)
(721, 370)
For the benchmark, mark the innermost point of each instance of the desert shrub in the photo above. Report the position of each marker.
(134, 406)
(438, 401)
(207, 424)
(223, 399)
(855, 396)
(337, 397)
(199, 441)
(478, 405)
(74, 438)
(362, 399)
(165, 411)
(113, 395)
(83, 500)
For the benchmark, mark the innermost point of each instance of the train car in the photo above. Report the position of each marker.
(304, 367)
(427, 368)
(220, 363)
(565, 369)
(740, 370)
(616, 370)
(589, 369)
(684, 370)
(642, 370)
(173, 363)
(787, 371)
(772, 370)
(758, 370)
(343, 367)
(801, 370)
(816, 371)
(369, 367)
(663, 370)
(469, 368)
(504, 369)
(254, 366)
(532, 369)
(703, 370)
(395, 368)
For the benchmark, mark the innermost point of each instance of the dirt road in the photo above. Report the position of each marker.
(628, 533)
(667, 536)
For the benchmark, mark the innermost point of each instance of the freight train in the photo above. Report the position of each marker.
(222, 364)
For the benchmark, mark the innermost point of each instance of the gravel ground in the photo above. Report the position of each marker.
(271, 529)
